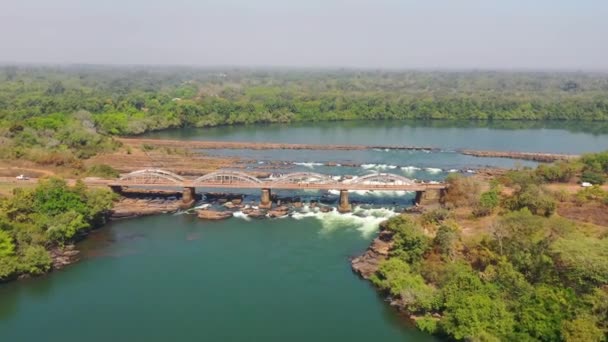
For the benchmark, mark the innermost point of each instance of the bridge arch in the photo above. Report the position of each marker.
(226, 177)
(304, 177)
(382, 178)
(152, 176)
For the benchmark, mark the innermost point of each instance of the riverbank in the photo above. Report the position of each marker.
(443, 267)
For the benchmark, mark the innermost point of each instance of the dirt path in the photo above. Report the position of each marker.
(15, 171)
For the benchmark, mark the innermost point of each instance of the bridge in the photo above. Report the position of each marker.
(292, 181)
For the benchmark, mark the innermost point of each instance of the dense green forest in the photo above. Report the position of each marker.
(528, 275)
(34, 221)
(72, 110)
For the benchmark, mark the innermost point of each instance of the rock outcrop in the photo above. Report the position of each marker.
(254, 213)
(208, 214)
(64, 256)
(368, 263)
(278, 212)
(135, 207)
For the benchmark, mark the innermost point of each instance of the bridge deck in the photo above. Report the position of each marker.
(289, 186)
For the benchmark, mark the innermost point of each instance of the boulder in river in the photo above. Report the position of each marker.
(254, 213)
(208, 214)
(278, 212)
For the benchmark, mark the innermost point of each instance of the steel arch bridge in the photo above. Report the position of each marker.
(296, 180)
(227, 177)
(304, 178)
(382, 178)
(152, 176)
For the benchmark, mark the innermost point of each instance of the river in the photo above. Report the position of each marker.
(174, 277)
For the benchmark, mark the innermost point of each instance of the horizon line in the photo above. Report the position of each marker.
(304, 67)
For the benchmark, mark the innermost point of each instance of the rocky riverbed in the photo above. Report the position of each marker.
(136, 207)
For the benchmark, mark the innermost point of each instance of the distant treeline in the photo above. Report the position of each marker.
(70, 107)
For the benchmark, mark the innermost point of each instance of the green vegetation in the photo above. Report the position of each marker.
(102, 170)
(72, 111)
(34, 221)
(529, 276)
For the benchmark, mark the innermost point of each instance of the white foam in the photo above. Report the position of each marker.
(310, 165)
(410, 169)
(241, 215)
(433, 170)
(368, 166)
(365, 221)
(203, 206)
(378, 166)
(452, 170)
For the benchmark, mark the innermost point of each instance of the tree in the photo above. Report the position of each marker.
(7, 247)
(8, 267)
(446, 240)
(66, 225)
(545, 309)
(582, 328)
(410, 243)
(53, 196)
(534, 199)
(488, 201)
(582, 262)
(462, 191)
(521, 238)
(35, 260)
(593, 177)
(394, 275)
(476, 315)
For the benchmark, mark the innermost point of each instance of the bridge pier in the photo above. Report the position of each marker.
(429, 197)
(344, 206)
(265, 199)
(188, 197)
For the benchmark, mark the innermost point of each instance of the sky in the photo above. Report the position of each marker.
(388, 34)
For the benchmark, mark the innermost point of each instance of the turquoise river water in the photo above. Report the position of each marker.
(177, 278)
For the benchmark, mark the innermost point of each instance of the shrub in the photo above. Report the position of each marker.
(561, 171)
(535, 199)
(146, 147)
(409, 242)
(445, 240)
(593, 177)
(7, 247)
(596, 161)
(394, 276)
(435, 216)
(35, 260)
(593, 193)
(583, 328)
(8, 267)
(102, 170)
(428, 324)
(488, 201)
(521, 178)
(462, 191)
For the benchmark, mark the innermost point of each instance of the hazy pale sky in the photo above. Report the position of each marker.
(445, 34)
